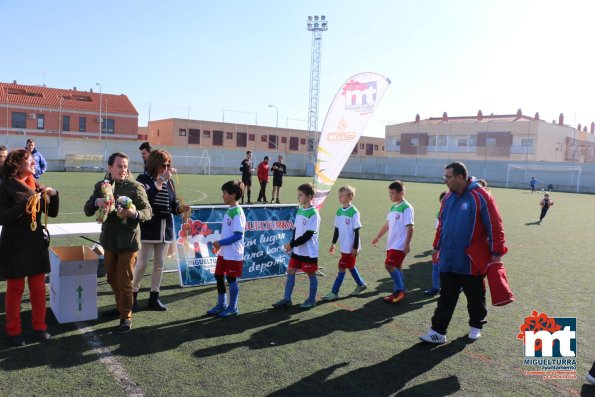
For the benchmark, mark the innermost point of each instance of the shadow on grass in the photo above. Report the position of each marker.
(423, 254)
(371, 315)
(385, 378)
(533, 223)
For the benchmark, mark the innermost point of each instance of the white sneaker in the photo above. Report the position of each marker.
(433, 337)
(474, 333)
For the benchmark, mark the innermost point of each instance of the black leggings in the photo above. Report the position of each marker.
(221, 282)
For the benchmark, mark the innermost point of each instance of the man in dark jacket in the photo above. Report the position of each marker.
(469, 237)
(120, 234)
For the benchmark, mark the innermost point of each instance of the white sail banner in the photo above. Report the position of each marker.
(344, 124)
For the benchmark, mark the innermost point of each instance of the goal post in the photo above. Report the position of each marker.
(200, 164)
(548, 170)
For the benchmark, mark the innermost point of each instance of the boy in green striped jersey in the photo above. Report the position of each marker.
(304, 248)
(399, 225)
(347, 227)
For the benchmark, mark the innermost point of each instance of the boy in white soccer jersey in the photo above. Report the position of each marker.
(435, 267)
(347, 227)
(230, 249)
(399, 224)
(304, 247)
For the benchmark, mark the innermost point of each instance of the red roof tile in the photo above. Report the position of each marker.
(29, 95)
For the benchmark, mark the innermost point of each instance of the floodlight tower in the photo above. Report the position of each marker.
(316, 25)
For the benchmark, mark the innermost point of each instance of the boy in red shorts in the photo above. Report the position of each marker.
(230, 251)
(347, 227)
(304, 248)
(399, 224)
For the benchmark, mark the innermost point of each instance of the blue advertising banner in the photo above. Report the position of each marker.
(268, 228)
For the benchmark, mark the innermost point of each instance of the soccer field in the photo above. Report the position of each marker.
(354, 346)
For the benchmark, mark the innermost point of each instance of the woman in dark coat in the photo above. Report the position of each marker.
(24, 242)
(157, 233)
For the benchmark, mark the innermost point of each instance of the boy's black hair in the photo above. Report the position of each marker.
(397, 185)
(442, 195)
(145, 146)
(307, 189)
(234, 187)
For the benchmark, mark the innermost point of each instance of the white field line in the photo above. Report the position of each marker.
(129, 386)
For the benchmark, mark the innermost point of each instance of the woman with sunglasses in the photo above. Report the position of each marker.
(157, 233)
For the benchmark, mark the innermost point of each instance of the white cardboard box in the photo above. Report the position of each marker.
(73, 283)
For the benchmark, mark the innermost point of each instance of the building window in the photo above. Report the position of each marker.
(414, 141)
(251, 137)
(284, 139)
(65, 123)
(432, 140)
(206, 134)
(19, 120)
(40, 121)
(293, 143)
(491, 142)
(182, 132)
(302, 141)
(82, 124)
(273, 142)
(441, 140)
(527, 142)
(397, 142)
(462, 142)
(383, 148)
(376, 147)
(263, 138)
(193, 136)
(217, 138)
(229, 135)
(361, 146)
(472, 140)
(109, 126)
(241, 139)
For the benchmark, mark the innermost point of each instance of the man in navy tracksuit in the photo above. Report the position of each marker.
(469, 226)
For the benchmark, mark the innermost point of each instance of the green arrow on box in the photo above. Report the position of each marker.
(80, 291)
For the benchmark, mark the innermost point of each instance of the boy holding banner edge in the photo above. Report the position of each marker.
(230, 249)
(399, 224)
(304, 247)
(347, 226)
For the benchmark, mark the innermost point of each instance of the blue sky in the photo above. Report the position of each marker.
(203, 57)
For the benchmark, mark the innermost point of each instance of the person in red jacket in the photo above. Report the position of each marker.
(263, 178)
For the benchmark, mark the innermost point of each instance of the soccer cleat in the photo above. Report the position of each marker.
(359, 289)
(17, 340)
(229, 312)
(215, 310)
(307, 305)
(125, 326)
(42, 335)
(432, 291)
(474, 333)
(433, 337)
(282, 304)
(331, 296)
(396, 297)
(277, 201)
